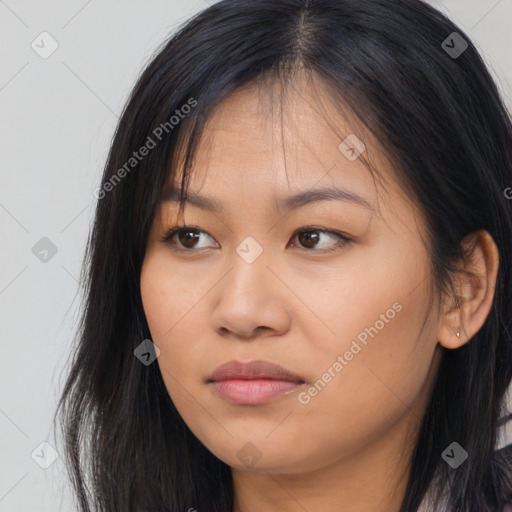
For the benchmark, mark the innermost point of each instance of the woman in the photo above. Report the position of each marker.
(298, 280)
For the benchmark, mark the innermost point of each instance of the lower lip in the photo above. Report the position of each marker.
(253, 392)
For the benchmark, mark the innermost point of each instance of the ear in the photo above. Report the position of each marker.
(474, 294)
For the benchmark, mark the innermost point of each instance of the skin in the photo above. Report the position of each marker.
(301, 307)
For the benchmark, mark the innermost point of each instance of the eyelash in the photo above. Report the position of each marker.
(344, 240)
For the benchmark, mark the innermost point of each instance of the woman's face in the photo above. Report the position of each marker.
(264, 277)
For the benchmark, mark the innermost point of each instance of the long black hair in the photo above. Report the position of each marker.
(426, 95)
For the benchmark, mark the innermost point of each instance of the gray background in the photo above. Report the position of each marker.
(58, 117)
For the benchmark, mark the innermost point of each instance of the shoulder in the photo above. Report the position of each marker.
(503, 456)
(500, 476)
(503, 462)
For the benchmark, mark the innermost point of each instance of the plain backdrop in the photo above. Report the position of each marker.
(58, 115)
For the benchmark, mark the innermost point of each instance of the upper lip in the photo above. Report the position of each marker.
(251, 371)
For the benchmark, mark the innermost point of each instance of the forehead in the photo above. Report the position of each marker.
(265, 143)
(282, 136)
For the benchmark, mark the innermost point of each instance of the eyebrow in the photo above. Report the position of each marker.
(289, 203)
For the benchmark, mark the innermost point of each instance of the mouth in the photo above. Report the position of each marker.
(253, 383)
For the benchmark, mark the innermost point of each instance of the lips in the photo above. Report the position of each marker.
(253, 383)
(235, 370)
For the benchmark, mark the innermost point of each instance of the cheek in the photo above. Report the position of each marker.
(383, 383)
(377, 300)
(386, 358)
(386, 347)
(168, 297)
(171, 302)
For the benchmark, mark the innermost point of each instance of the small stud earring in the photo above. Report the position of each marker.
(458, 335)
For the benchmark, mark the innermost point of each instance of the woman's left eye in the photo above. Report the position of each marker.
(311, 236)
(184, 238)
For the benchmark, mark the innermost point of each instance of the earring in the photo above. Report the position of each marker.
(458, 334)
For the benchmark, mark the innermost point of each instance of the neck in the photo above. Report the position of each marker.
(374, 478)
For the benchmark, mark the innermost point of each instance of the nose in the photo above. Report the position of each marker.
(251, 301)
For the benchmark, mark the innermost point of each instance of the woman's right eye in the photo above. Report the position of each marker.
(183, 238)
